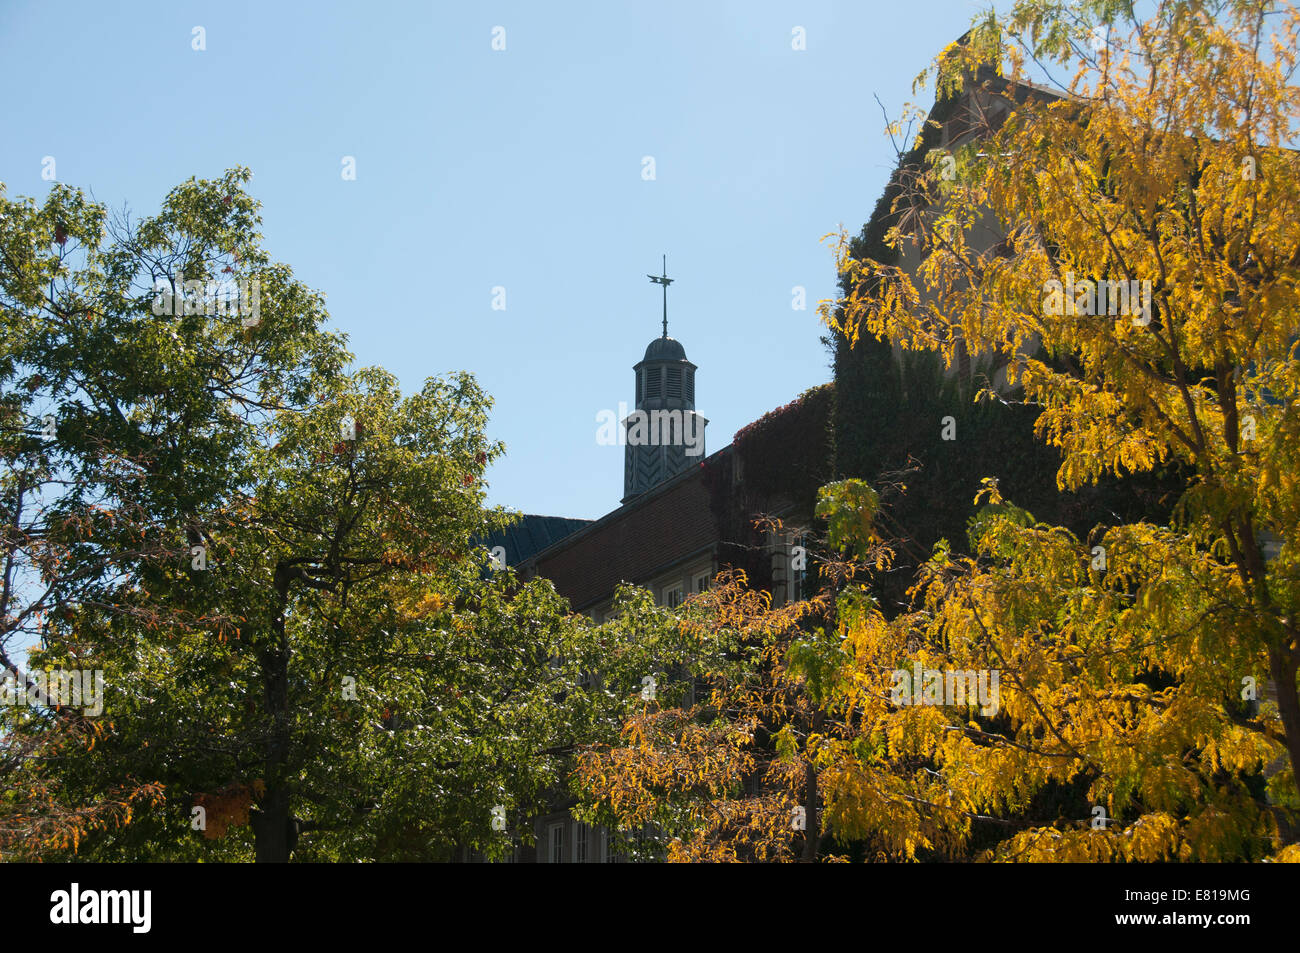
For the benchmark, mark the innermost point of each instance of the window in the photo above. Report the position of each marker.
(555, 843)
(607, 854)
(673, 597)
(799, 570)
(581, 837)
(700, 582)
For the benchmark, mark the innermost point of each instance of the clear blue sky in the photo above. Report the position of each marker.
(519, 168)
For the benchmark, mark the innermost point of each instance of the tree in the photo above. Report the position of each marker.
(124, 423)
(1125, 696)
(724, 764)
(1130, 249)
(272, 561)
(701, 778)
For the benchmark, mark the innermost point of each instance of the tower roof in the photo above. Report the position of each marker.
(665, 349)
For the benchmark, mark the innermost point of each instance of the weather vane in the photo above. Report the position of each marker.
(665, 281)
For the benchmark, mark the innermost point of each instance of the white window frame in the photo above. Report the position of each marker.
(581, 839)
(669, 591)
(798, 577)
(700, 581)
(554, 851)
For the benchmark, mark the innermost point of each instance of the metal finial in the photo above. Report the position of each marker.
(665, 281)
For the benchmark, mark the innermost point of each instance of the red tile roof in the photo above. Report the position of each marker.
(647, 535)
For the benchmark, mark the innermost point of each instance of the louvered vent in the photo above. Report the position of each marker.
(690, 386)
(653, 383)
(638, 388)
(674, 382)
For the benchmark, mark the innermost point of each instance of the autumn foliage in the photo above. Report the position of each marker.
(1148, 705)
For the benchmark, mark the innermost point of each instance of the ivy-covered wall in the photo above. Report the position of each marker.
(784, 457)
(786, 453)
(887, 420)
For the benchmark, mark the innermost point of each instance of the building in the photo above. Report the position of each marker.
(680, 522)
(685, 515)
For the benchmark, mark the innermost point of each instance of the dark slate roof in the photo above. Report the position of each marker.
(531, 534)
(665, 349)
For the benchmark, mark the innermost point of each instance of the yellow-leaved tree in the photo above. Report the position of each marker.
(1128, 249)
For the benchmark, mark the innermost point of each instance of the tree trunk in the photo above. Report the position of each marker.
(273, 825)
(273, 828)
(812, 818)
(1283, 653)
(1282, 666)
